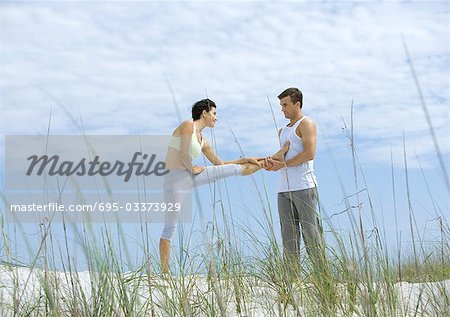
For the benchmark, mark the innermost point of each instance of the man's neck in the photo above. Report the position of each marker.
(295, 118)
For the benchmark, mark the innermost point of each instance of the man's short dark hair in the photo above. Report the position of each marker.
(294, 93)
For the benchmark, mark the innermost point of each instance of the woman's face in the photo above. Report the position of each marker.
(211, 117)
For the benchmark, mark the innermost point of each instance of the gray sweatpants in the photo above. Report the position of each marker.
(298, 214)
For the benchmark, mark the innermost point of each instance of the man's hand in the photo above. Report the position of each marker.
(274, 165)
(265, 164)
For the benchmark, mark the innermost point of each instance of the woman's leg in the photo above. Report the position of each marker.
(216, 172)
(164, 254)
(249, 168)
(176, 187)
(170, 226)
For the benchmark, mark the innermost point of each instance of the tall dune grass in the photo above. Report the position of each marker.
(222, 277)
(235, 272)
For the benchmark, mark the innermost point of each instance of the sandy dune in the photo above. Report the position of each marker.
(26, 286)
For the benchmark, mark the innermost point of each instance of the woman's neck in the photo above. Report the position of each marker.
(199, 124)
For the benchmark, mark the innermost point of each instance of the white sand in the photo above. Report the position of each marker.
(26, 287)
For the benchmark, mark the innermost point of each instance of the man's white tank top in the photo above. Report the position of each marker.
(295, 177)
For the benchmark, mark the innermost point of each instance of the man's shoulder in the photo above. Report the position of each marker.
(306, 127)
(307, 122)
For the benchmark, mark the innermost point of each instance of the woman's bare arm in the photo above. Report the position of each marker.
(186, 130)
(216, 160)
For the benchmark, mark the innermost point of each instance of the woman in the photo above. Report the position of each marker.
(186, 144)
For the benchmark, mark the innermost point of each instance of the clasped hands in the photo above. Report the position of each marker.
(270, 164)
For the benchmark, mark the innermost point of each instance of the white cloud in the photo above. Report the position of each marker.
(108, 61)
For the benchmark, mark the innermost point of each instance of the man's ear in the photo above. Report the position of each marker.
(204, 113)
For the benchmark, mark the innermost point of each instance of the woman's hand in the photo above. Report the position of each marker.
(197, 169)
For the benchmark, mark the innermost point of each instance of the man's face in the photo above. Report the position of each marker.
(288, 108)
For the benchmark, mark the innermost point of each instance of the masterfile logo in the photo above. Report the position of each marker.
(96, 167)
(99, 178)
(120, 161)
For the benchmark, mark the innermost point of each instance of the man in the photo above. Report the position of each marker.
(297, 188)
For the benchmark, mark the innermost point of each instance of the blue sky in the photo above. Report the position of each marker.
(112, 63)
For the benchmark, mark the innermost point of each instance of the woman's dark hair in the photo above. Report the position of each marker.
(199, 106)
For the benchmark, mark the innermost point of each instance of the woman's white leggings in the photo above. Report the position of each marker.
(179, 183)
